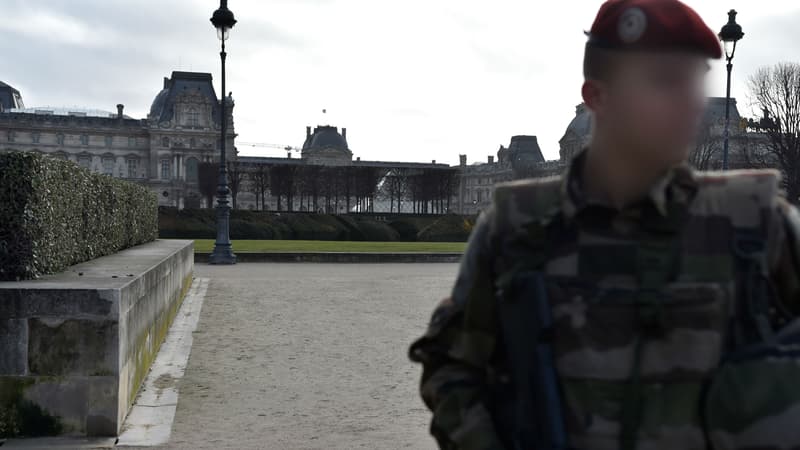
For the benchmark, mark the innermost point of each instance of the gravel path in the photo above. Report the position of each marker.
(308, 356)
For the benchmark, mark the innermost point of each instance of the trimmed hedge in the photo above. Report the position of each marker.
(449, 228)
(54, 214)
(246, 224)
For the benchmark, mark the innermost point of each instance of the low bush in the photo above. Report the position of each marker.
(449, 228)
(247, 224)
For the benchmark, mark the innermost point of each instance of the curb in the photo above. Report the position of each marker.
(338, 257)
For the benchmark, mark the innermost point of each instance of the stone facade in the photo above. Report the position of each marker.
(161, 151)
(521, 159)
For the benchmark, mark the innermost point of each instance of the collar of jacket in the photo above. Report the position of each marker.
(676, 188)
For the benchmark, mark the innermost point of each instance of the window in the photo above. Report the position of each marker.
(109, 141)
(165, 142)
(192, 143)
(191, 169)
(192, 117)
(165, 174)
(108, 166)
(60, 138)
(35, 136)
(12, 136)
(480, 196)
(131, 142)
(85, 161)
(84, 139)
(133, 167)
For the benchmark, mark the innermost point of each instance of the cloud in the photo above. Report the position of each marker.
(413, 80)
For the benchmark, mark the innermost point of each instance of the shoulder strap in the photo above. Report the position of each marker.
(747, 199)
(523, 210)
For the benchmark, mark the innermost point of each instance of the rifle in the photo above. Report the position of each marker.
(533, 405)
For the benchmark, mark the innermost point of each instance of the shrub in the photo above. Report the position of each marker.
(409, 227)
(247, 224)
(54, 214)
(378, 231)
(449, 228)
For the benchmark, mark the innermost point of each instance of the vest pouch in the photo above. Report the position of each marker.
(753, 398)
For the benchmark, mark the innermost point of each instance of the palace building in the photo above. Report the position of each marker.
(161, 151)
(165, 151)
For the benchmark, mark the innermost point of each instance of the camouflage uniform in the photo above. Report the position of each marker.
(641, 296)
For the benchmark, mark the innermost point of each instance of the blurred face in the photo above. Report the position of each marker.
(652, 104)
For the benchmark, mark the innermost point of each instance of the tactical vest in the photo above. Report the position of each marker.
(661, 340)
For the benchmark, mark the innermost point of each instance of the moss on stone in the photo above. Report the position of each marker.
(21, 417)
(145, 354)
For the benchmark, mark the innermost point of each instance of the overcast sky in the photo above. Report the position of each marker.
(412, 81)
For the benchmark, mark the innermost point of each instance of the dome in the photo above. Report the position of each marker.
(581, 125)
(158, 103)
(578, 133)
(326, 137)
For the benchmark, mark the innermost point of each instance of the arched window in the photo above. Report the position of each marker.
(191, 169)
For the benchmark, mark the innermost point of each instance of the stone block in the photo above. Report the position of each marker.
(13, 346)
(72, 347)
(75, 346)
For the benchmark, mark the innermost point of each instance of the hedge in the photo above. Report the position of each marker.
(54, 214)
(449, 228)
(246, 224)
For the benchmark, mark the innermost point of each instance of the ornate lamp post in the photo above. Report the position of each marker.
(731, 34)
(223, 250)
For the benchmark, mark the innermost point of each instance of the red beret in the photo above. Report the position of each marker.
(652, 25)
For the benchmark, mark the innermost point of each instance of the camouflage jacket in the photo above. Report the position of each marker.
(596, 257)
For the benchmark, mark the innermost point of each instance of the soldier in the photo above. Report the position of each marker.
(632, 302)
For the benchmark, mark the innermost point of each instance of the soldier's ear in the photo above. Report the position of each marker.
(593, 94)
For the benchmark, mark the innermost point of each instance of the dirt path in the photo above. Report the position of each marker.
(308, 356)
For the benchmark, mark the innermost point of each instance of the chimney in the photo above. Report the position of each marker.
(289, 155)
(462, 160)
(308, 131)
(358, 158)
(166, 82)
(120, 107)
(344, 132)
(433, 161)
(491, 159)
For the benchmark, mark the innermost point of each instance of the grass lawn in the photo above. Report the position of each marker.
(264, 246)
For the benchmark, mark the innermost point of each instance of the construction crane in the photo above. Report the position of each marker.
(288, 148)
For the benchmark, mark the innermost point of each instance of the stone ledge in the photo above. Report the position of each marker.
(75, 346)
(340, 257)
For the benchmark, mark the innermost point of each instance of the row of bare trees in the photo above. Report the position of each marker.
(427, 190)
(776, 91)
(773, 141)
(334, 189)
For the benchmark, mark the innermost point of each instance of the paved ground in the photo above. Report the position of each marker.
(308, 356)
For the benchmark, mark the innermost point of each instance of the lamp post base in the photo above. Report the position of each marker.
(222, 255)
(223, 249)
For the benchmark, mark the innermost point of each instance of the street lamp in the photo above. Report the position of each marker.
(223, 250)
(731, 34)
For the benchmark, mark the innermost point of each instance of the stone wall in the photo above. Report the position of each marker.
(75, 346)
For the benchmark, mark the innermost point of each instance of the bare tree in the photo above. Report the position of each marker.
(284, 180)
(207, 181)
(259, 180)
(395, 188)
(706, 150)
(776, 90)
(236, 175)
